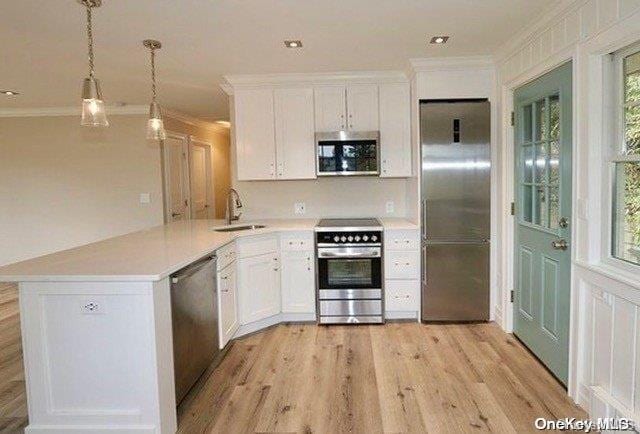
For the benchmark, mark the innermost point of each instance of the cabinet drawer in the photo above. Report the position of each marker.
(402, 265)
(226, 255)
(350, 307)
(295, 241)
(256, 245)
(402, 295)
(402, 240)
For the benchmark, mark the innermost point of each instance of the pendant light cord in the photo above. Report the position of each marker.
(90, 39)
(153, 74)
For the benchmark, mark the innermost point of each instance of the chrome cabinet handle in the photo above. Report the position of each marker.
(175, 214)
(560, 244)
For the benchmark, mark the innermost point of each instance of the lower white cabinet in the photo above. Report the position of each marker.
(258, 287)
(298, 281)
(402, 295)
(227, 303)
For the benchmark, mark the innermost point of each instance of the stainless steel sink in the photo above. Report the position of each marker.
(239, 228)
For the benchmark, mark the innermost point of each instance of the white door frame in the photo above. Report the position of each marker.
(211, 210)
(186, 173)
(508, 193)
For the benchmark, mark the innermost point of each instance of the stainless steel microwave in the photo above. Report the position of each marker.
(348, 153)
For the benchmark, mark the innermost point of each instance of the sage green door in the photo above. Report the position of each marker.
(543, 217)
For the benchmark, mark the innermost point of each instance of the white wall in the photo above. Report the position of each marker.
(62, 185)
(605, 316)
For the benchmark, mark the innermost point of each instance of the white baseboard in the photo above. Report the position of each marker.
(401, 315)
(273, 320)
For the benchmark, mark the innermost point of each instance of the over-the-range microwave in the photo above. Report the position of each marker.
(342, 153)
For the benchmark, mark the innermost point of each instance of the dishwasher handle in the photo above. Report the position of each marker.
(194, 268)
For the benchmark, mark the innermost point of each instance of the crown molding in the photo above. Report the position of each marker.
(287, 79)
(69, 111)
(450, 63)
(193, 121)
(534, 28)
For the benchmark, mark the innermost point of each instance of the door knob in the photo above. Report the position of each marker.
(559, 244)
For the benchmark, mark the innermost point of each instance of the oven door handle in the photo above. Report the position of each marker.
(365, 254)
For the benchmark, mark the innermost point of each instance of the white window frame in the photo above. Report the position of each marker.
(615, 154)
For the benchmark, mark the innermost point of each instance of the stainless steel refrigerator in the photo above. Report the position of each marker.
(455, 209)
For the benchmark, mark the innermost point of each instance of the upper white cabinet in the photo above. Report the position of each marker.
(330, 108)
(295, 136)
(362, 107)
(395, 130)
(254, 134)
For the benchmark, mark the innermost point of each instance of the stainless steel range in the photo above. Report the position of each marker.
(349, 272)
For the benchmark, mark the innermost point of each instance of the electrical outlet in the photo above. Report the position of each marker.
(300, 208)
(145, 198)
(390, 207)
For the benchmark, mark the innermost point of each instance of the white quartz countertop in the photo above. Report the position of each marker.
(151, 254)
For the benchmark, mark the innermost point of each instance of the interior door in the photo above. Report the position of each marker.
(200, 176)
(543, 215)
(176, 178)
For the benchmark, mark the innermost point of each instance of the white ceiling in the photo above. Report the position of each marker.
(44, 43)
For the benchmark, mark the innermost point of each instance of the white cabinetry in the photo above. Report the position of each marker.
(255, 134)
(402, 273)
(362, 107)
(330, 108)
(227, 303)
(298, 273)
(294, 129)
(395, 130)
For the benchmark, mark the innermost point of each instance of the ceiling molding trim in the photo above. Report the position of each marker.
(193, 121)
(528, 32)
(312, 78)
(69, 111)
(227, 88)
(450, 63)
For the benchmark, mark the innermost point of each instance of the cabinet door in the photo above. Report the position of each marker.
(295, 140)
(298, 282)
(395, 130)
(258, 287)
(254, 134)
(330, 108)
(362, 107)
(227, 304)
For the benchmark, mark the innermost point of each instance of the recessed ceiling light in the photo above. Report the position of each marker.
(293, 44)
(9, 92)
(442, 39)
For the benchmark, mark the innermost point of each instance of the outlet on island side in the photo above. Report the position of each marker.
(300, 208)
(390, 207)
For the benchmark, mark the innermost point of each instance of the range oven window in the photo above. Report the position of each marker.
(352, 156)
(347, 273)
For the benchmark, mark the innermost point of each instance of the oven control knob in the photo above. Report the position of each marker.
(343, 239)
(365, 238)
(336, 238)
(357, 238)
(350, 238)
(374, 238)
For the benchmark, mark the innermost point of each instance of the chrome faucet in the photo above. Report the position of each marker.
(233, 202)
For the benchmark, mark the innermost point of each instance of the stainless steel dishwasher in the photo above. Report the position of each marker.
(194, 312)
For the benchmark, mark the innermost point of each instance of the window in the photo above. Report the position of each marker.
(626, 162)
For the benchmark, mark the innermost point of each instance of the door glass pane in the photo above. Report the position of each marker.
(541, 121)
(632, 129)
(632, 78)
(626, 230)
(554, 208)
(527, 153)
(554, 164)
(527, 125)
(527, 198)
(554, 117)
(346, 272)
(541, 211)
(541, 163)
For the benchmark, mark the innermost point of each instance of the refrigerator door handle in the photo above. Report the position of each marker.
(423, 226)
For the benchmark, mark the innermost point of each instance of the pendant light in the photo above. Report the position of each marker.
(93, 112)
(155, 126)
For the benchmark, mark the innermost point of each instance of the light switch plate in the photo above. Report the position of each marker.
(145, 198)
(390, 207)
(300, 208)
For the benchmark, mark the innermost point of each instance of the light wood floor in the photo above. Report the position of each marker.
(13, 401)
(397, 378)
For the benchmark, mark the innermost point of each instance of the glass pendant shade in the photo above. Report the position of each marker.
(93, 111)
(155, 125)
